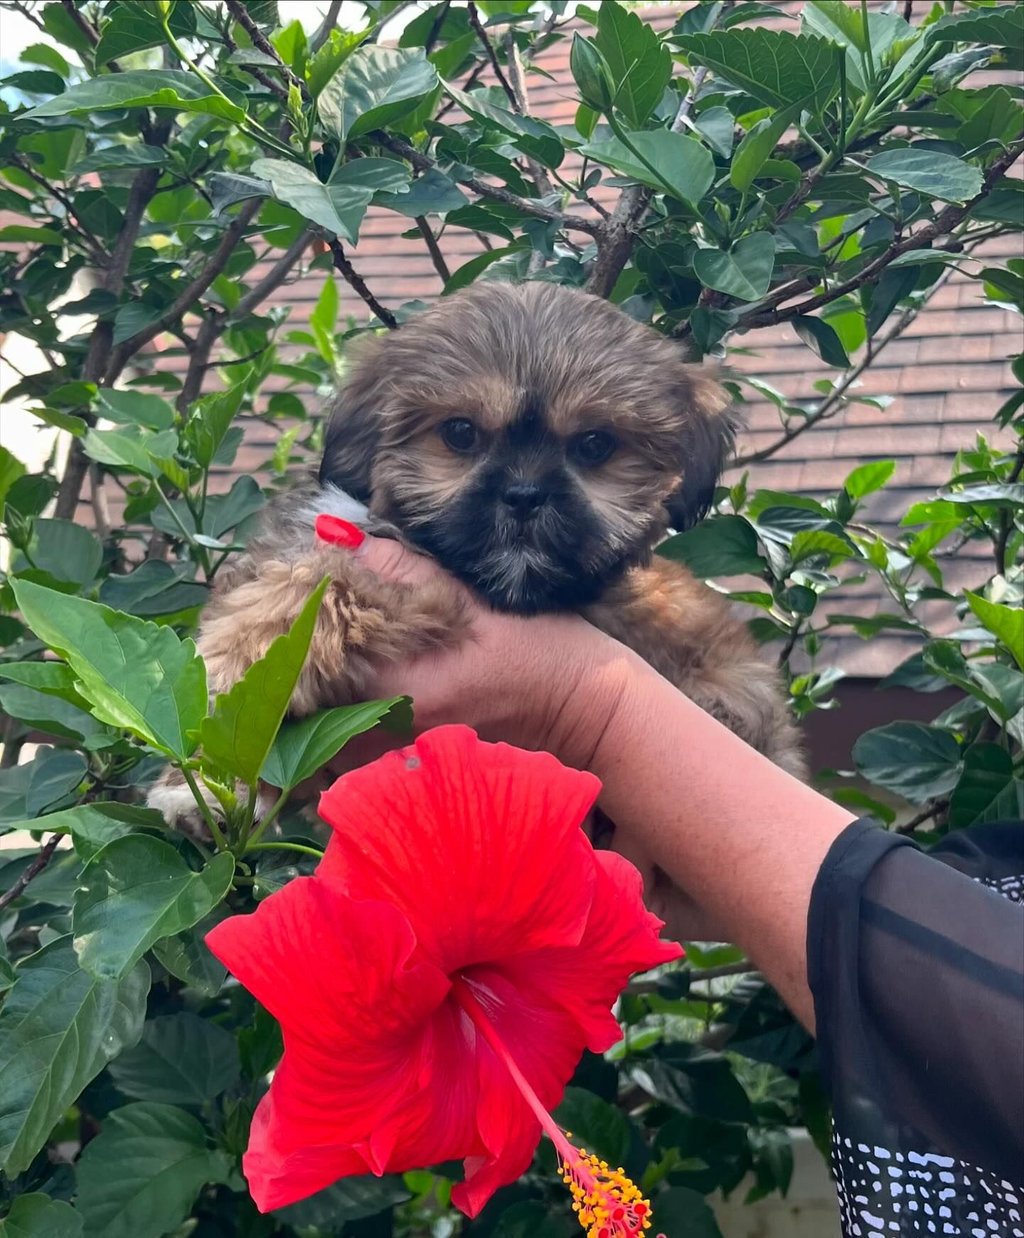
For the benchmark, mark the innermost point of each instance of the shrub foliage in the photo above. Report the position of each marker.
(167, 165)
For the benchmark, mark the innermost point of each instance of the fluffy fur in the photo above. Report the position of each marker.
(588, 438)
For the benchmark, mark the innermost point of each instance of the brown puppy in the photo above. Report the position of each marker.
(538, 443)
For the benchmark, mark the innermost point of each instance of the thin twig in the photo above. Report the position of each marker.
(34, 869)
(492, 55)
(326, 26)
(254, 70)
(276, 276)
(186, 299)
(517, 80)
(356, 282)
(435, 26)
(920, 818)
(261, 42)
(423, 163)
(834, 401)
(26, 12)
(436, 257)
(1006, 518)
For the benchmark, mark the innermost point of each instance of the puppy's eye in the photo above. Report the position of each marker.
(459, 434)
(592, 448)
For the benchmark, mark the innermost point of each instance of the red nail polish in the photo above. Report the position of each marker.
(339, 532)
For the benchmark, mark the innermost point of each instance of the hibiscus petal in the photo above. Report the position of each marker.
(620, 939)
(328, 968)
(545, 1043)
(478, 844)
(285, 1162)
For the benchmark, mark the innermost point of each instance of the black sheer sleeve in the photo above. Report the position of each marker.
(916, 963)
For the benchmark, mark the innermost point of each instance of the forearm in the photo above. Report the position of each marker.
(740, 836)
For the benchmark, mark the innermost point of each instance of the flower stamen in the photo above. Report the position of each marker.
(606, 1203)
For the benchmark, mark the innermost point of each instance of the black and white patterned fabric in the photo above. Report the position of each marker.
(916, 961)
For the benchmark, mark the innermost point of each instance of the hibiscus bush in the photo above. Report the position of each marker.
(165, 166)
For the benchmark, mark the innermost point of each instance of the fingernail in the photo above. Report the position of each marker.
(339, 532)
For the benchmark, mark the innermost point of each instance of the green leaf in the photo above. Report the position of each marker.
(301, 748)
(136, 890)
(817, 542)
(721, 546)
(987, 788)
(180, 1060)
(38, 1216)
(133, 27)
(223, 511)
(209, 421)
(130, 449)
(141, 1174)
(11, 468)
(49, 57)
(339, 205)
(135, 674)
(867, 478)
(347, 1200)
(239, 732)
(1002, 25)
(595, 1124)
(776, 67)
(821, 338)
(322, 320)
(744, 272)
(65, 551)
(433, 193)
(1006, 623)
(170, 88)
(918, 762)
(30, 235)
(669, 162)
(640, 64)
(757, 144)
(682, 1211)
(135, 408)
(62, 713)
(154, 588)
(121, 157)
(188, 957)
(374, 87)
(929, 172)
(54, 778)
(535, 137)
(469, 271)
(58, 1028)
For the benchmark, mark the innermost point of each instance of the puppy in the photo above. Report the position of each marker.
(538, 443)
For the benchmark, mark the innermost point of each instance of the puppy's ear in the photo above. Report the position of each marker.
(708, 432)
(353, 429)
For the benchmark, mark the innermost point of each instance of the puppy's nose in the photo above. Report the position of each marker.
(524, 499)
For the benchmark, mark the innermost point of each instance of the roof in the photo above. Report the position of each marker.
(947, 374)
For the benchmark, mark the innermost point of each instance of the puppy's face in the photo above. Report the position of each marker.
(533, 439)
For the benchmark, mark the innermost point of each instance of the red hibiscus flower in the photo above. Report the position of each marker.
(439, 977)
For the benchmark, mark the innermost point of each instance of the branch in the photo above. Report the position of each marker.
(766, 314)
(423, 163)
(834, 401)
(920, 818)
(260, 41)
(34, 869)
(254, 70)
(276, 276)
(492, 55)
(1005, 518)
(26, 12)
(326, 26)
(435, 26)
(71, 219)
(617, 236)
(216, 264)
(356, 282)
(440, 266)
(517, 80)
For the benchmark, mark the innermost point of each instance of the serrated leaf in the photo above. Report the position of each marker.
(301, 748)
(135, 891)
(639, 62)
(375, 86)
(433, 193)
(238, 734)
(135, 674)
(816, 542)
(58, 1028)
(65, 551)
(774, 66)
(721, 546)
(745, 271)
(164, 88)
(340, 204)
(536, 137)
(1006, 623)
(180, 1060)
(929, 172)
(153, 588)
(918, 762)
(135, 408)
(756, 146)
(38, 1216)
(141, 1174)
(1001, 25)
